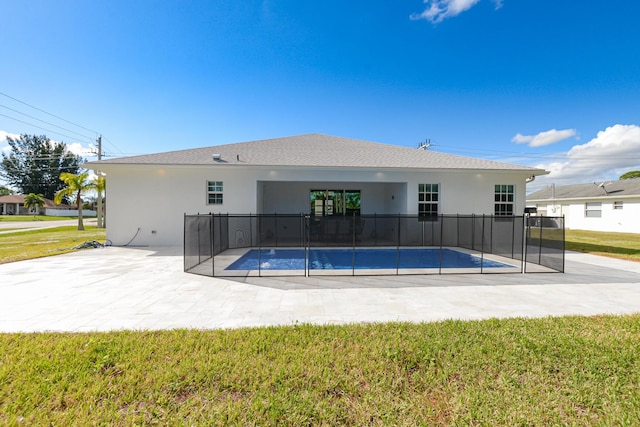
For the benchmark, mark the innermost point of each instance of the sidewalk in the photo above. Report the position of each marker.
(145, 288)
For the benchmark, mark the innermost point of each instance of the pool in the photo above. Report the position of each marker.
(359, 259)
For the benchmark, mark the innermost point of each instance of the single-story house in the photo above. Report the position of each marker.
(312, 174)
(606, 206)
(13, 204)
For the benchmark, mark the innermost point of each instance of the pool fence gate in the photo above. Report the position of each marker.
(528, 243)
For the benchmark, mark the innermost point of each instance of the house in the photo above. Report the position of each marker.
(13, 204)
(313, 174)
(607, 206)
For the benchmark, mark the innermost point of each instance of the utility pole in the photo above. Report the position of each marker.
(100, 209)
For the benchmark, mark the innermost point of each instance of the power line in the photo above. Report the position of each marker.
(52, 124)
(46, 112)
(113, 145)
(44, 121)
(40, 127)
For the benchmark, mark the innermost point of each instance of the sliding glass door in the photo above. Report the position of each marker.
(335, 202)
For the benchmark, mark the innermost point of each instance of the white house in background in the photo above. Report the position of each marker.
(312, 174)
(608, 206)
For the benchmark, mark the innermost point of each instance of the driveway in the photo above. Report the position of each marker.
(145, 288)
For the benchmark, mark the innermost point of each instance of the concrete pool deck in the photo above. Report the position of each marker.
(145, 288)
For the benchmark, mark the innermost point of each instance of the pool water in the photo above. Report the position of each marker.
(361, 259)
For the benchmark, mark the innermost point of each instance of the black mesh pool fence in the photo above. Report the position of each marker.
(212, 242)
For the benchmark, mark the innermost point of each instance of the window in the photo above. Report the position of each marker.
(617, 205)
(593, 209)
(428, 199)
(503, 200)
(214, 192)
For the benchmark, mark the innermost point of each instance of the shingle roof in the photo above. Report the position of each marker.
(19, 198)
(626, 187)
(316, 150)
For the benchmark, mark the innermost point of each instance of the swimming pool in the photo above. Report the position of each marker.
(359, 259)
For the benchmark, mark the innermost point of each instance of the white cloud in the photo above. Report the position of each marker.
(544, 138)
(5, 134)
(611, 153)
(437, 10)
(79, 149)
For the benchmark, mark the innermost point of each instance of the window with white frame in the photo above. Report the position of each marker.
(214, 192)
(503, 200)
(428, 199)
(593, 210)
(617, 204)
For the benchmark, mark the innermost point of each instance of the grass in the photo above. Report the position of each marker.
(28, 244)
(29, 218)
(553, 371)
(616, 245)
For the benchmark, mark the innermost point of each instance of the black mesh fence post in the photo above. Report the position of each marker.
(307, 246)
(540, 243)
(259, 246)
(525, 243)
(564, 243)
(491, 234)
(213, 243)
(398, 247)
(353, 244)
(441, 228)
(473, 231)
(482, 246)
(198, 234)
(513, 237)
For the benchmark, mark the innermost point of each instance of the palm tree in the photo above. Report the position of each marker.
(76, 186)
(100, 185)
(32, 201)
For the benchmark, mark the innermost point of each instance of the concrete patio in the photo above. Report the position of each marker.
(145, 288)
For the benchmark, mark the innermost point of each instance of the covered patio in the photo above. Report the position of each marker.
(324, 198)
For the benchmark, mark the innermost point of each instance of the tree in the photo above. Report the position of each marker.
(630, 174)
(100, 185)
(76, 185)
(4, 191)
(34, 164)
(33, 200)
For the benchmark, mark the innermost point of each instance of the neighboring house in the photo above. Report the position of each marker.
(13, 204)
(311, 174)
(608, 206)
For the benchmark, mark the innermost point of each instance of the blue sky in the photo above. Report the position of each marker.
(547, 83)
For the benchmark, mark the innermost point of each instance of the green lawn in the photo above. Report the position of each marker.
(616, 245)
(28, 244)
(553, 371)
